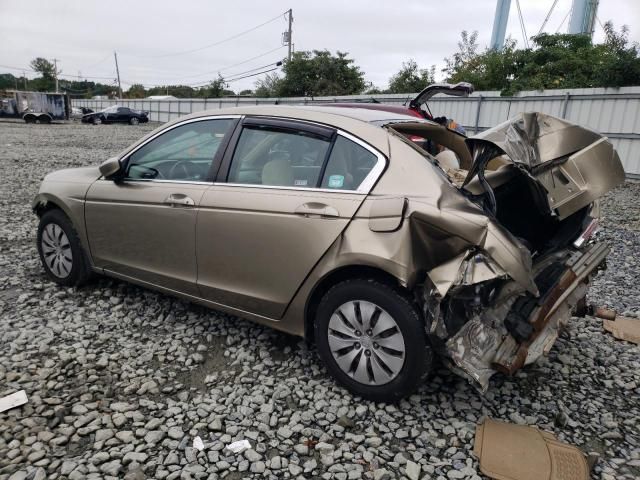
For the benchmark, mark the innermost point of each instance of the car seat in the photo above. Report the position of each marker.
(278, 171)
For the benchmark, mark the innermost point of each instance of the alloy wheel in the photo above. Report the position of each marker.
(56, 250)
(366, 342)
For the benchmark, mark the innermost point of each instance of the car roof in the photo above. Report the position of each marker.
(361, 122)
(396, 109)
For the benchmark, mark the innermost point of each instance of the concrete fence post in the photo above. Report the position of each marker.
(565, 104)
(478, 114)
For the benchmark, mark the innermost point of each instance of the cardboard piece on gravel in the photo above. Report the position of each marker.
(520, 452)
(624, 328)
(14, 400)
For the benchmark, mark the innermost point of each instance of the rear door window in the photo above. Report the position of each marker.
(275, 157)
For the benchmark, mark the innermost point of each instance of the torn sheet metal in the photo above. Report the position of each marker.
(468, 268)
(624, 328)
(13, 400)
(574, 164)
(484, 345)
(521, 452)
(533, 138)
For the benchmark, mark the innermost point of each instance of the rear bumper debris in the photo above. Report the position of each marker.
(519, 328)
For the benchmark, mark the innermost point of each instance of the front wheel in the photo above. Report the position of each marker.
(96, 120)
(371, 338)
(61, 253)
(134, 121)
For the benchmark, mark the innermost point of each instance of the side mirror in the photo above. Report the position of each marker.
(110, 168)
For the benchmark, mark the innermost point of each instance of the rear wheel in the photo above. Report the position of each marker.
(134, 121)
(372, 340)
(61, 253)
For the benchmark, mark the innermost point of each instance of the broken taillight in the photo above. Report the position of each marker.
(588, 232)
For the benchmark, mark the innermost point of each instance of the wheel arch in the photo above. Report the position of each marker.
(340, 274)
(45, 202)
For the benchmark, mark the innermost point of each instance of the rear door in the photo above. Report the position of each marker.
(285, 192)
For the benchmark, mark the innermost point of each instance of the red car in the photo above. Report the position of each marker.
(418, 107)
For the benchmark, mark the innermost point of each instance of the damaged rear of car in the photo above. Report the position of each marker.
(515, 252)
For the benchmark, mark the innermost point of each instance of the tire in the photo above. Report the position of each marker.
(61, 253)
(134, 121)
(96, 120)
(401, 345)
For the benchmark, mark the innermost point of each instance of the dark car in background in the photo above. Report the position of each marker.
(116, 114)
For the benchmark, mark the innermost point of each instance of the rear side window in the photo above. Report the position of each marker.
(348, 166)
(278, 158)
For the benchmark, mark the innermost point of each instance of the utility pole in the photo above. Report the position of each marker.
(290, 32)
(115, 55)
(55, 71)
(24, 77)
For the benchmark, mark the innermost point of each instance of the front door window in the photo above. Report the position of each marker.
(183, 153)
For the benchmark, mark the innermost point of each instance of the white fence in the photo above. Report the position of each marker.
(613, 112)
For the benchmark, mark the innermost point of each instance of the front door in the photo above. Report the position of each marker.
(143, 226)
(289, 191)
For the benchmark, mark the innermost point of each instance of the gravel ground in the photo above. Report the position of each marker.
(120, 380)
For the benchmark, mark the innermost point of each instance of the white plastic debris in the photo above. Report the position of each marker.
(14, 400)
(198, 444)
(239, 446)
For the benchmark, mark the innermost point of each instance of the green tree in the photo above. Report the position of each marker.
(136, 91)
(553, 61)
(44, 67)
(214, 89)
(318, 72)
(9, 81)
(47, 71)
(268, 85)
(410, 78)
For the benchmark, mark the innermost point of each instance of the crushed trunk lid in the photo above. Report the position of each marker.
(575, 165)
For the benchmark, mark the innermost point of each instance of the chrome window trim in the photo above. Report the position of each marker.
(151, 180)
(377, 170)
(284, 187)
(364, 187)
(127, 154)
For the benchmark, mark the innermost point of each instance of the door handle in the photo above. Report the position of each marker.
(316, 209)
(179, 200)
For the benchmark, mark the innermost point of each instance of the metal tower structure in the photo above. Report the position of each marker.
(583, 17)
(500, 24)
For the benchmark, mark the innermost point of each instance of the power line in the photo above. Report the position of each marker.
(564, 19)
(544, 24)
(252, 75)
(524, 31)
(278, 63)
(219, 42)
(218, 70)
(21, 69)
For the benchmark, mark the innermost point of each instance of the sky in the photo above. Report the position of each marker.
(170, 42)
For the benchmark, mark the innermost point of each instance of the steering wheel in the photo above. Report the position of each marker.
(185, 170)
(154, 173)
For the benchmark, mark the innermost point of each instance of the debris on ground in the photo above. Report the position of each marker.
(623, 328)
(13, 400)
